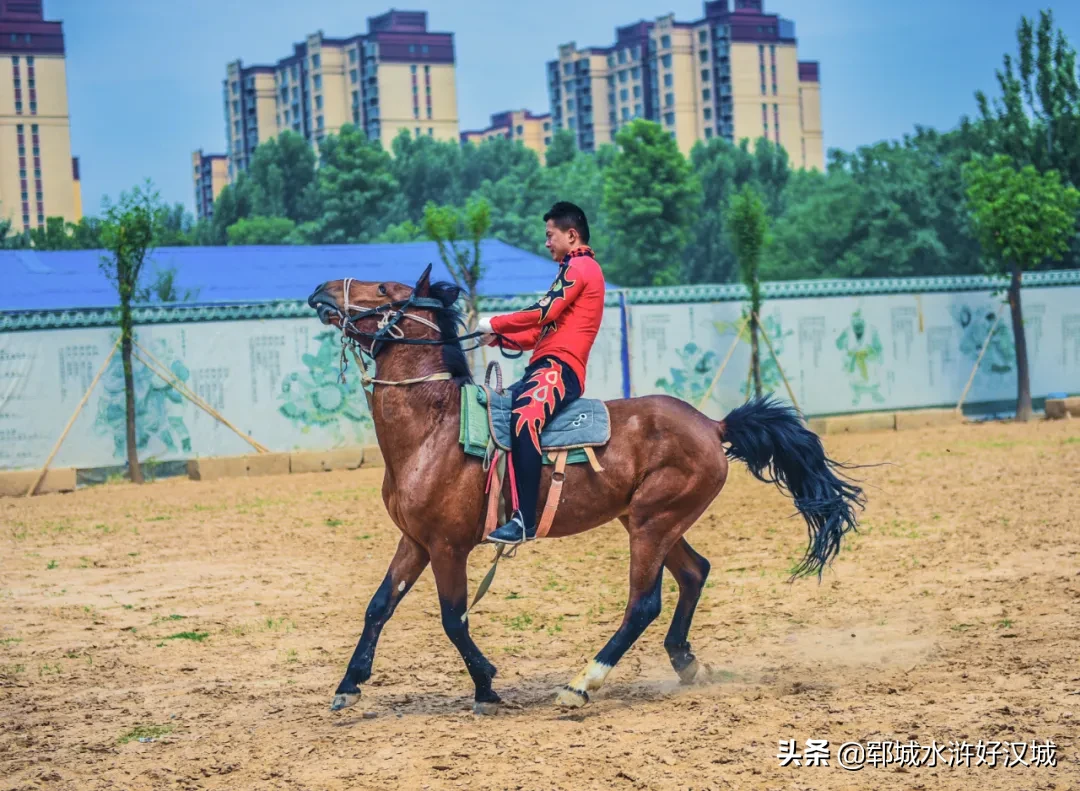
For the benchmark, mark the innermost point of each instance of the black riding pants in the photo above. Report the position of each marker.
(547, 387)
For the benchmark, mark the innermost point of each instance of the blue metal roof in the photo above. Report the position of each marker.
(55, 280)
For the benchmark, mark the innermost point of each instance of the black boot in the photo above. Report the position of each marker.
(513, 532)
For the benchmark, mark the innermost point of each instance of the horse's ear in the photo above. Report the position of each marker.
(423, 285)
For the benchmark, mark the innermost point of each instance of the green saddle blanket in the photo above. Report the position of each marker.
(485, 422)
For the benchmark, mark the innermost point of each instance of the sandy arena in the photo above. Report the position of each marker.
(214, 620)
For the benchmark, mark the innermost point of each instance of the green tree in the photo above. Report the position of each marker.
(260, 230)
(128, 231)
(175, 226)
(356, 187)
(86, 233)
(163, 288)
(426, 170)
(1022, 218)
(401, 233)
(458, 233)
(562, 150)
(55, 235)
(748, 224)
(280, 179)
(232, 205)
(1036, 120)
(650, 197)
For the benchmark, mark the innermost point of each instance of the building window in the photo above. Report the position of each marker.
(316, 81)
(704, 75)
(665, 61)
(354, 75)
(520, 129)
(234, 87)
(637, 111)
(568, 69)
(412, 51)
(669, 100)
(624, 76)
(611, 61)
(703, 36)
(352, 56)
(430, 132)
(704, 55)
(706, 95)
(622, 56)
(637, 91)
(776, 121)
(708, 132)
(708, 113)
(547, 141)
(636, 72)
(429, 111)
(423, 49)
(570, 105)
(668, 80)
(669, 119)
(665, 42)
(315, 61)
(318, 122)
(624, 95)
(626, 113)
(318, 102)
(547, 126)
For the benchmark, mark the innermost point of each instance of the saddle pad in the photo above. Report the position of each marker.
(475, 432)
(583, 423)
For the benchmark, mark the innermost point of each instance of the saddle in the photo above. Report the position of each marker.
(568, 438)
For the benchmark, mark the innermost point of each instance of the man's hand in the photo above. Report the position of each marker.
(484, 326)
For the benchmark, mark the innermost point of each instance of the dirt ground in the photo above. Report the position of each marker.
(214, 620)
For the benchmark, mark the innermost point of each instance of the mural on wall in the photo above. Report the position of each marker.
(691, 378)
(159, 422)
(771, 325)
(316, 400)
(860, 344)
(975, 324)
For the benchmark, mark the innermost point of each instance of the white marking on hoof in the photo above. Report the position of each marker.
(344, 701)
(485, 709)
(571, 698)
(401, 586)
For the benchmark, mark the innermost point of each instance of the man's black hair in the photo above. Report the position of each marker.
(566, 215)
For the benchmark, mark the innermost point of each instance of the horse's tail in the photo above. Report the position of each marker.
(770, 438)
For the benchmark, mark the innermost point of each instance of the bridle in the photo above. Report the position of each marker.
(390, 331)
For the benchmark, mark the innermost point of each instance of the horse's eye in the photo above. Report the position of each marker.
(382, 290)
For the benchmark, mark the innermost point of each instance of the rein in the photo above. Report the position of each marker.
(389, 331)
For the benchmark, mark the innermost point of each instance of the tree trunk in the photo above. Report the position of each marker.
(134, 470)
(755, 354)
(1023, 377)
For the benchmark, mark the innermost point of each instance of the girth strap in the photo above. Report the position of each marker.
(554, 494)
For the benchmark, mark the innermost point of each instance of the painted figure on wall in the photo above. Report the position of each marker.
(772, 326)
(316, 400)
(691, 379)
(861, 345)
(159, 428)
(975, 324)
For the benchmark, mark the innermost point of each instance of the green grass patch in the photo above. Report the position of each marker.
(145, 732)
(10, 641)
(197, 637)
(52, 564)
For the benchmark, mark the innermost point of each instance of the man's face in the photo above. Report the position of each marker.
(560, 242)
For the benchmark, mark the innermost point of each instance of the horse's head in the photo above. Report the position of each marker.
(350, 304)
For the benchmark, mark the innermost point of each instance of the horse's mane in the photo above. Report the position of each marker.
(448, 320)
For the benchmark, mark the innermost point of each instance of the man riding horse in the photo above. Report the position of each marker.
(560, 328)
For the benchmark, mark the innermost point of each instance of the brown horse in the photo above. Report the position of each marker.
(664, 465)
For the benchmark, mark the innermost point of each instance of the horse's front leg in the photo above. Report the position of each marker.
(449, 567)
(409, 562)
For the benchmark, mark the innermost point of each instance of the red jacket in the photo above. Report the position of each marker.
(563, 323)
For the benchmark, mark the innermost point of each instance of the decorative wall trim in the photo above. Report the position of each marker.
(15, 321)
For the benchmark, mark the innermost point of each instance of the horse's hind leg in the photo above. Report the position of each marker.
(690, 570)
(449, 567)
(649, 544)
(409, 562)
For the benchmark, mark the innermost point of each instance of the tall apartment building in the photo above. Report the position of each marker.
(534, 131)
(38, 177)
(211, 174)
(734, 74)
(396, 76)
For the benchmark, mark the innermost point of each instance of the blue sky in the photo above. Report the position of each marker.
(144, 76)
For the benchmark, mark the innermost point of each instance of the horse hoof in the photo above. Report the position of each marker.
(569, 698)
(485, 709)
(689, 674)
(343, 701)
